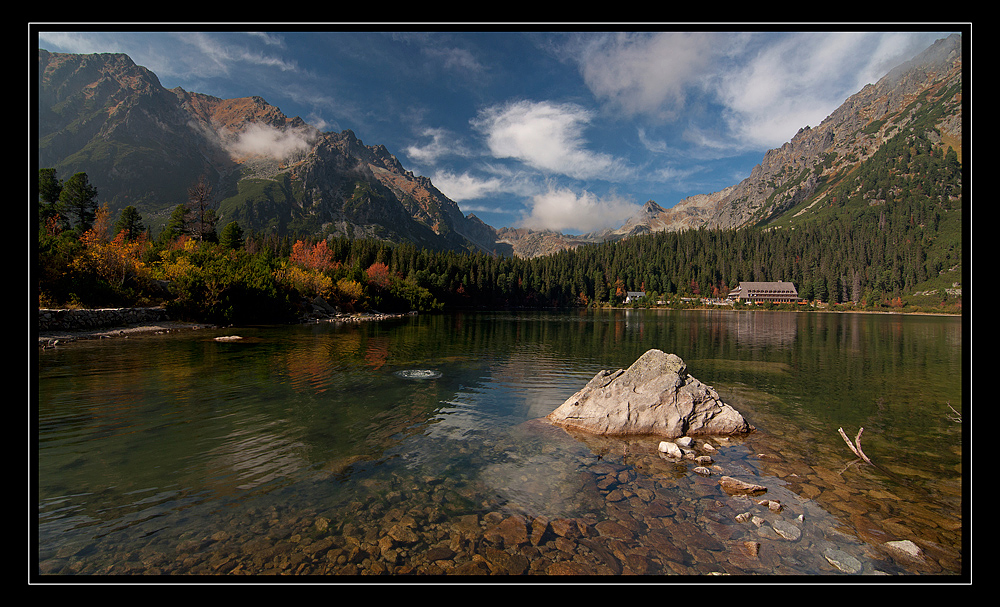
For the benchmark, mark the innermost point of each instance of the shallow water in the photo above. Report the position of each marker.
(413, 446)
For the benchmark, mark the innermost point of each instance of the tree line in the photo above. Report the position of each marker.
(890, 225)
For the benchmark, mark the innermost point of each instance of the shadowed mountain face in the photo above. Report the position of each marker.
(145, 146)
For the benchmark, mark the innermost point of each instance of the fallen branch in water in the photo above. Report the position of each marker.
(856, 447)
(958, 416)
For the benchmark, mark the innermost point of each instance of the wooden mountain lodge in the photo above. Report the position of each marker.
(759, 292)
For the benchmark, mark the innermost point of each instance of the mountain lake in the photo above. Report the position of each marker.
(417, 447)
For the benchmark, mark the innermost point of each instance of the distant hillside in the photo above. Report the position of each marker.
(794, 182)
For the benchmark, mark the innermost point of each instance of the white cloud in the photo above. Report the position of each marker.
(465, 186)
(649, 74)
(767, 86)
(442, 143)
(546, 136)
(264, 140)
(799, 79)
(786, 86)
(563, 210)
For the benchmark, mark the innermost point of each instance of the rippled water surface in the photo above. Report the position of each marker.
(414, 446)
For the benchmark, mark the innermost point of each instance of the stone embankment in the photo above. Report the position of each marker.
(57, 326)
(88, 320)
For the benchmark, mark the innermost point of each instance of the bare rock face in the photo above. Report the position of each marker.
(655, 396)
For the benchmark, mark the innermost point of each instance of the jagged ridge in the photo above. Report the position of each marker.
(144, 145)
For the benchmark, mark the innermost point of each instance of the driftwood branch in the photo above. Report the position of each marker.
(856, 447)
(957, 418)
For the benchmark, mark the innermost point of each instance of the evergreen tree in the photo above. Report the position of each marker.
(49, 188)
(130, 222)
(176, 225)
(232, 236)
(78, 200)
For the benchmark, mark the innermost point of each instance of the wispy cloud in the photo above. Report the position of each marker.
(795, 81)
(213, 55)
(455, 59)
(546, 136)
(645, 74)
(442, 143)
(766, 86)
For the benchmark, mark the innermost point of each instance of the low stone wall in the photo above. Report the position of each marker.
(86, 320)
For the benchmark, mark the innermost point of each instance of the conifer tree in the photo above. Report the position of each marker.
(78, 200)
(49, 188)
(130, 222)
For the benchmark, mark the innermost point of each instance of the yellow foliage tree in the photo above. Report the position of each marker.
(308, 282)
(349, 292)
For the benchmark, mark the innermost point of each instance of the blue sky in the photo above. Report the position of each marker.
(566, 130)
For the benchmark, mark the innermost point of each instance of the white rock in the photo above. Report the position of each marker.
(653, 396)
(843, 561)
(670, 449)
(787, 530)
(906, 547)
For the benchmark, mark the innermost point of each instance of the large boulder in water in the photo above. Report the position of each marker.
(655, 396)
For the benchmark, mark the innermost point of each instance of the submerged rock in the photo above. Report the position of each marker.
(655, 396)
(735, 486)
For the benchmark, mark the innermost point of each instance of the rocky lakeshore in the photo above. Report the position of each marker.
(646, 513)
(61, 326)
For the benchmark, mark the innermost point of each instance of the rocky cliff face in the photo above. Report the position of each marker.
(144, 145)
(110, 118)
(790, 174)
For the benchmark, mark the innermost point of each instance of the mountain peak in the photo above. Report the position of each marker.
(652, 209)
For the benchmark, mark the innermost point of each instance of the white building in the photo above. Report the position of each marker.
(756, 292)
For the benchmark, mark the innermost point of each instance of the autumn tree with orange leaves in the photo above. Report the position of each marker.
(314, 257)
(116, 261)
(379, 276)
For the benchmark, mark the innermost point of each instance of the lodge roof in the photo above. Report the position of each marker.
(778, 285)
(772, 291)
